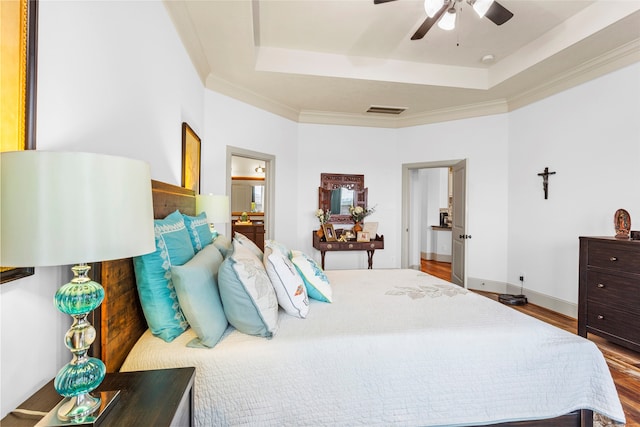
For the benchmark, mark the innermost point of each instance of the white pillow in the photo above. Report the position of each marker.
(248, 243)
(248, 298)
(289, 286)
(316, 282)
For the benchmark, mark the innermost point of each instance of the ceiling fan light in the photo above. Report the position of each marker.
(448, 20)
(432, 7)
(481, 6)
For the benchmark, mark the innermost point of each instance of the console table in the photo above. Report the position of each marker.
(350, 245)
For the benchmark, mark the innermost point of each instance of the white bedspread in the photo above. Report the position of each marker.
(396, 347)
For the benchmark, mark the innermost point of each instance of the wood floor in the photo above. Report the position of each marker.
(624, 364)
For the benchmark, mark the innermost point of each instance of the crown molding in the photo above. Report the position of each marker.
(613, 60)
(252, 98)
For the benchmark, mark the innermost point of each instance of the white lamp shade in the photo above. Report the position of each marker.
(216, 207)
(481, 6)
(448, 20)
(62, 208)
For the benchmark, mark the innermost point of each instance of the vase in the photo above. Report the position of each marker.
(320, 232)
(357, 227)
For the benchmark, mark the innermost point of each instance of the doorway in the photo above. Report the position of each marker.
(413, 221)
(260, 191)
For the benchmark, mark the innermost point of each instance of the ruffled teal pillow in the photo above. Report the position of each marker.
(199, 231)
(153, 276)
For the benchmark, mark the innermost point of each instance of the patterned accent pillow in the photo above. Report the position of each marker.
(289, 286)
(316, 282)
(249, 244)
(197, 290)
(153, 276)
(247, 295)
(199, 231)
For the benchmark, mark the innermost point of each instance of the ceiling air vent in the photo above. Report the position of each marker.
(385, 110)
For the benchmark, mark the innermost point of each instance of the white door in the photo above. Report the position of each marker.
(458, 226)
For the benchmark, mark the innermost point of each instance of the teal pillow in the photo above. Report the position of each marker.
(247, 295)
(197, 291)
(316, 282)
(223, 244)
(153, 276)
(199, 231)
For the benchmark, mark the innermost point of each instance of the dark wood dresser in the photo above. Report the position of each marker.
(609, 298)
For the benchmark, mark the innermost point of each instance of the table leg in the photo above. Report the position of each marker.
(322, 256)
(370, 256)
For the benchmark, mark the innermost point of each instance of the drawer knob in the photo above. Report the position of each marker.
(600, 285)
(329, 246)
(600, 317)
(613, 259)
(350, 245)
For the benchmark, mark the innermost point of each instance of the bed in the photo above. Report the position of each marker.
(395, 347)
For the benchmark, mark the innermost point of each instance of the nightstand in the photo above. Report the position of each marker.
(156, 398)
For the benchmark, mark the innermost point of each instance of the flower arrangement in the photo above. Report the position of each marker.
(359, 213)
(323, 216)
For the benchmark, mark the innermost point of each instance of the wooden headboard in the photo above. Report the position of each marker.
(120, 316)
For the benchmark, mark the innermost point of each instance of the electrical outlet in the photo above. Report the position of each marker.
(521, 277)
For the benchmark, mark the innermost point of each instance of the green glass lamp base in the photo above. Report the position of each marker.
(107, 400)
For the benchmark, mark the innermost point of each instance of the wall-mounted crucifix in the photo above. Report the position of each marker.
(545, 181)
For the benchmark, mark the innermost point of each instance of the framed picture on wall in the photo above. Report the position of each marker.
(190, 159)
(18, 89)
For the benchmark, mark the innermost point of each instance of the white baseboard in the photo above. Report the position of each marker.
(546, 301)
(537, 298)
(486, 285)
(431, 256)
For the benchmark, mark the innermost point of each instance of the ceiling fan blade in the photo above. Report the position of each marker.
(429, 22)
(498, 13)
(381, 1)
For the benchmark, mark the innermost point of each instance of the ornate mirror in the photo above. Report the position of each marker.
(338, 192)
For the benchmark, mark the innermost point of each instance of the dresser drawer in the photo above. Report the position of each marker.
(612, 320)
(608, 255)
(611, 289)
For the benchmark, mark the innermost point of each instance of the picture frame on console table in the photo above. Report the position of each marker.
(371, 228)
(329, 233)
(190, 159)
(363, 236)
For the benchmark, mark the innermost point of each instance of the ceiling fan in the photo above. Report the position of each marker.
(444, 13)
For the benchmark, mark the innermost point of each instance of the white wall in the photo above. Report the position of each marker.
(351, 150)
(590, 136)
(108, 85)
(232, 123)
(105, 85)
(484, 143)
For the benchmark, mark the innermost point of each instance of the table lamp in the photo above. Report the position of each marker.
(216, 207)
(60, 208)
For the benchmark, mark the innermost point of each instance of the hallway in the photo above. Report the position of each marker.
(439, 269)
